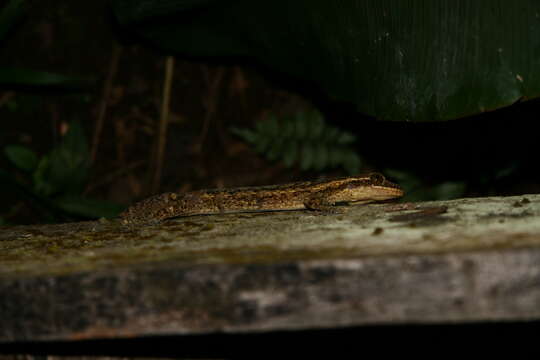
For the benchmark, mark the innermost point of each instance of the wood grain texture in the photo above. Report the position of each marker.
(464, 260)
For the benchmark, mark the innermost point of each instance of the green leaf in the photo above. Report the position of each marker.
(506, 171)
(302, 126)
(331, 134)
(307, 157)
(90, 208)
(287, 129)
(26, 79)
(335, 155)
(260, 126)
(408, 181)
(262, 143)
(74, 141)
(245, 134)
(305, 139)
(449, 190)
(271, 127)
(22, 157)
(10, 183)
(42, 186)
(69, 162)
(276, 149)
(316, 125)
(141, 10)
(290, 153)
(345, 138)
(321, 158)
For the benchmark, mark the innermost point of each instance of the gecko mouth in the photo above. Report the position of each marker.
(397, 193)
(387, 193)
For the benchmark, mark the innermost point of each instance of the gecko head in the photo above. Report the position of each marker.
(373, 187)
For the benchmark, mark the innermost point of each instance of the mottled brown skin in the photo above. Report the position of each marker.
(312, 195)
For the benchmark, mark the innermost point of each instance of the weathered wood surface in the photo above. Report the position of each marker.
(456, 261)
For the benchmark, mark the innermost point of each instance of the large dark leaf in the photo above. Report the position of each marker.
(416, 60)
(22, 157)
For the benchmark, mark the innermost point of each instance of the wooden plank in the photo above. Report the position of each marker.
(464, 260)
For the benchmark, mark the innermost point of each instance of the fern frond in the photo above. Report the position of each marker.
(304, 139)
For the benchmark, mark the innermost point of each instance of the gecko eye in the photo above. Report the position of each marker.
(377, 178)
(352, 185)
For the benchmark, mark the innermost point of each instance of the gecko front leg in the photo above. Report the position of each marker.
(320, 202)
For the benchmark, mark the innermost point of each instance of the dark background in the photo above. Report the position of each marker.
(493, 153)
(489, 339)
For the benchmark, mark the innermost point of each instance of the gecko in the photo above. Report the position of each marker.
(319, 195)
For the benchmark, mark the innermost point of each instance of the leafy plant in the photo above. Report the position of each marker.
(27, 79)
(304, 139)
(54, 183)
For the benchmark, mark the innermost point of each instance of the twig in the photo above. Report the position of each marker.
(163, 122)
(102, 110)
(210, 103)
